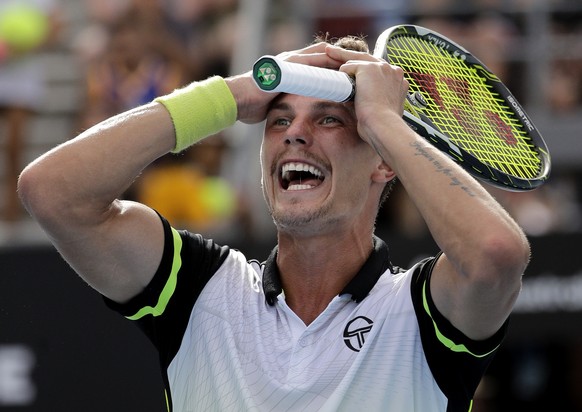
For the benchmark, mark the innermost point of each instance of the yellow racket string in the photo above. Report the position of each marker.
(462, 104)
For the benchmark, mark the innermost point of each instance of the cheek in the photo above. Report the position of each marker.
(355, 174)
(266, 180)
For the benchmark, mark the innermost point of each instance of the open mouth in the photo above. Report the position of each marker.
(300, 176)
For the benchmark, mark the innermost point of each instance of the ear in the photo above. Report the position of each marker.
(383, 173)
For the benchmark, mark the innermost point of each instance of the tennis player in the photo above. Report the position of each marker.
(326, 323)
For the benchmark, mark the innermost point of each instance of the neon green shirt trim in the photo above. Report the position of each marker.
(442, 338)
(170, 286)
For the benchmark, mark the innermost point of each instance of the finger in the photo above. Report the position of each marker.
(314, 48)
(351, 67)
(311, 49)
(312, 59)
(341, 54)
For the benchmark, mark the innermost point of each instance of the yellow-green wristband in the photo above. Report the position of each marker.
(199, 110)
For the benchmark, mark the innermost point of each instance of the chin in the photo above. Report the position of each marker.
(305, 222)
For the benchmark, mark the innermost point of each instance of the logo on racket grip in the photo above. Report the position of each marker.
(267, 73)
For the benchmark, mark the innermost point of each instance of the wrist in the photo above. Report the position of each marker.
(252, 103)
(199, 110)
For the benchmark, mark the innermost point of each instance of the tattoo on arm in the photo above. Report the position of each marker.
(440, 168)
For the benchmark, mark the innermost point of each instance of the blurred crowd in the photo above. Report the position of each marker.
(25, 28)
(135, 50)
(129, 51)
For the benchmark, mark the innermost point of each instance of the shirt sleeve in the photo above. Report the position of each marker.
(456, 362)
(162, 310)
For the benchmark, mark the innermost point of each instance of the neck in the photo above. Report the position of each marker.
(316, 269)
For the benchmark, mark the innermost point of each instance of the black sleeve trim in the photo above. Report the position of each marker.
(456, 362)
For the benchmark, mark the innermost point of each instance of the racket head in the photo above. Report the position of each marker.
(465, 110)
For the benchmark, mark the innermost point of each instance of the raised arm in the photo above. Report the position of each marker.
(477, 279)
(73, 191)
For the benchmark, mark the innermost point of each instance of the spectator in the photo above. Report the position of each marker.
(130, 73)
(26, 26)
(191, 192)
(144, 58)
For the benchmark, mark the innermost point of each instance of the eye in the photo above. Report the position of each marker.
(330, 120)
(279, 122)
(282, 122)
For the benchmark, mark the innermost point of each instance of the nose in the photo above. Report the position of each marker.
(295, 140)
(298, 133)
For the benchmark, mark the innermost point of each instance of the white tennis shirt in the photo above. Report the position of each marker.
(229, 342)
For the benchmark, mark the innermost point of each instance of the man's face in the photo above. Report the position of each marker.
(317, 172)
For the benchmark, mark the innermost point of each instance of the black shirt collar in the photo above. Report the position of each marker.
(359, 287)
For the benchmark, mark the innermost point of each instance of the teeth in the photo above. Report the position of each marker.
(299, 187)
(300, 167)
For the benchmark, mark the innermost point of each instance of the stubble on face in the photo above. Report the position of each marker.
(297, 218)
(303, 221)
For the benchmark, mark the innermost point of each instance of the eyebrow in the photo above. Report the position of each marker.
(279, 105)
(320, 105)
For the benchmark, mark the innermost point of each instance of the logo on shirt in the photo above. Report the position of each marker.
(355, 332)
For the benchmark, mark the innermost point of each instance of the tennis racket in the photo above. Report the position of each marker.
(455, 103)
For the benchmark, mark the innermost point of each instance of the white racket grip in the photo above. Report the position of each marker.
(272, 74)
